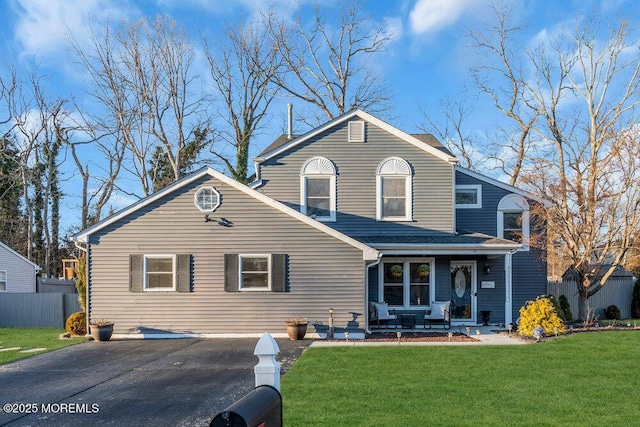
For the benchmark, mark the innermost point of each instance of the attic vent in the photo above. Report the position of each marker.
(356, 131)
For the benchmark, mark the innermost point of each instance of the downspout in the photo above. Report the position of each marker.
(86, 252)
(366, 291)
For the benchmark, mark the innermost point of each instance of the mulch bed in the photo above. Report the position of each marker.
(419, 337)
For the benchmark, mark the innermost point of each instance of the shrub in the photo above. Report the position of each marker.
(635, 301)
(81, 282)
(612, 312)
(77, 323)
(566, 308)
(540, 314)
(557, 307)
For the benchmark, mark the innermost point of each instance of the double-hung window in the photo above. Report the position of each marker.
(407, 283)
(254, 272)
(159, 273)
(3, 280)
(394, 190)
(318, 189)
(513, 219)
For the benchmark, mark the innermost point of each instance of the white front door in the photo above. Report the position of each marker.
(464, 292)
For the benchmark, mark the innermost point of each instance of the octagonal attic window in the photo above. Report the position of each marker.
(207, 199)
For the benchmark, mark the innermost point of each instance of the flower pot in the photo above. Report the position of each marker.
(101, 332)
(296, 332)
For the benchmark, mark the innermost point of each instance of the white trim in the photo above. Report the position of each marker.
(370, 119)
(145, 285)
(514, 203)
(406, 280)
(474, 290)
(319, 167)
(508, 285)
(502, 185)
(269, 273)
(394, 167)
(37, 267)
(195, 198)
(476, 205)
(352, 128)
(368, 253)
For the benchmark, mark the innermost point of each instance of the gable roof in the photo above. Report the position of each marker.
(502, 185)
(17, 254)
(422, 141)
(368, 253)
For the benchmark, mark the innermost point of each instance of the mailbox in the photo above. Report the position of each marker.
(260, 408)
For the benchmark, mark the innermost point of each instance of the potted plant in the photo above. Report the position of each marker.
(296, 328)
(396, 270)
(424, 270)
(101, 330)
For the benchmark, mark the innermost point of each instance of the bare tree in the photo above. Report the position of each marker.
(142, 75)
(586, 90)
(500, 76)
(242, 71)
(325, 63)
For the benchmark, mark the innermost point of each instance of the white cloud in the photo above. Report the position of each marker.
(42, 25)
(432, 15)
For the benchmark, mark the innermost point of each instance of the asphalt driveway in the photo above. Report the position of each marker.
(177, 382)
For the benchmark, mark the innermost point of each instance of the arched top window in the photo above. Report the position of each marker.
(394, 190)
(513, 219)
(318, 189)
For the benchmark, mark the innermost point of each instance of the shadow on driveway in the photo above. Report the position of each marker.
(178, 382)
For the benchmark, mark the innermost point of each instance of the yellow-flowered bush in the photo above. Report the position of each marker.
(540, 313)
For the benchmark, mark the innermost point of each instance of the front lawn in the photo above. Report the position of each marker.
(31, 338)
(580, 379)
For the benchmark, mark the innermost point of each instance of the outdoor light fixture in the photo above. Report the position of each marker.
(487, 269)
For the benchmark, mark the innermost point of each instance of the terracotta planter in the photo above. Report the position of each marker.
(296, 332)
(101, 333)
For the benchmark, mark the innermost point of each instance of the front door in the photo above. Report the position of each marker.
(463, 291)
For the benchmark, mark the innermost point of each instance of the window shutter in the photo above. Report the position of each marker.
(279, 273)
(183, 275)
(135, 273)
(231, 272)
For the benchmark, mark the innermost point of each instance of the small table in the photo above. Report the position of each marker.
(408, 320)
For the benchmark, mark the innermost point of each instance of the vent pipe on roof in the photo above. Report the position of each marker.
(289, 120)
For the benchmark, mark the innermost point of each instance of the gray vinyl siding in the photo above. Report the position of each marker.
(323, 272)
(21, 275)
(356, 165)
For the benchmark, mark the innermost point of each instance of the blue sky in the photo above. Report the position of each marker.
(428, 61)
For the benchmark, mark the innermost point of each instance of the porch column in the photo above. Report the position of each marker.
(508, 285)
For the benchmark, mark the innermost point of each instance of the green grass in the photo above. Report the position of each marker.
(577, 380)
(27, 338)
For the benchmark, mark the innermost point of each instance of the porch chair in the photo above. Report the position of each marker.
(379, 314)
(440, 313)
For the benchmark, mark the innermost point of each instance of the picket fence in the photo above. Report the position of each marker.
(617, 291)
(42, 310)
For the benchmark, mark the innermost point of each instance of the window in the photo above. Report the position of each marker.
(3, 280)
(468, 196)
(207, 199)
(159, 272)
(394, 190)
(513, 219)
(356, 131)
(318, 189)
(407, 282)
(254, 272)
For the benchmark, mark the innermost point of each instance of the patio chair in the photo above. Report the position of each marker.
(380, 314)
(440, 313)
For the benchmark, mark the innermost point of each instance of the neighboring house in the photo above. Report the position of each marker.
(355, 211)
(17, 273)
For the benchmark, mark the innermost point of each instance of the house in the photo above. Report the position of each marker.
(17, 273)
(355, 211)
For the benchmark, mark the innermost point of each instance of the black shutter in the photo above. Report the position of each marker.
(279, 273)
(135, 273)
(183, 275)
(231, 272)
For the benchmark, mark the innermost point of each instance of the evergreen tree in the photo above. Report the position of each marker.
(13, 231)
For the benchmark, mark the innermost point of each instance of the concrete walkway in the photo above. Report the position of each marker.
(488, 336)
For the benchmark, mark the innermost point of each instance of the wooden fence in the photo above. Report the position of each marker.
(46, 310)
(616, 292)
